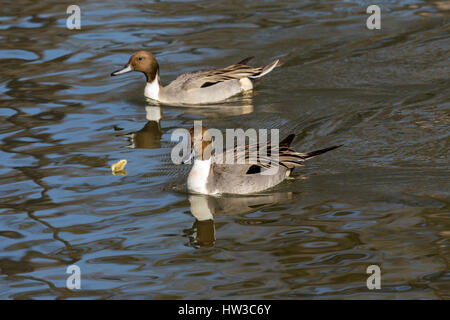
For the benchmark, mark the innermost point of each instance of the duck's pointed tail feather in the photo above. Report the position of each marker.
(285, 58)
(277, 63)
(291, 158)
(317, 152)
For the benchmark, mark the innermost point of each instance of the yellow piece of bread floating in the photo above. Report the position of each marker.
(118, 168)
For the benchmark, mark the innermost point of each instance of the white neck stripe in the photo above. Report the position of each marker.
(152, 89)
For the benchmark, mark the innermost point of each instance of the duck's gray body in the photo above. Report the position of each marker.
(185, 90)
(214, 85)
(234, 179)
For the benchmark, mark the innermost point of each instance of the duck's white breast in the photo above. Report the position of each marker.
(198, 177)
(152, 89)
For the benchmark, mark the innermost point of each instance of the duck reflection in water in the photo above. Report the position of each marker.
(206, 208)
(149, 137)
(235, 106)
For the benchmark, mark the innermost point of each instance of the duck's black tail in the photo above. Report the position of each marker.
(291, 158)
(317, 152)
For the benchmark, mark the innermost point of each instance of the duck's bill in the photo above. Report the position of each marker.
(187, 159)
(127, 68)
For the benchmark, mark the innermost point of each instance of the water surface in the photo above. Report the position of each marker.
(383, 198)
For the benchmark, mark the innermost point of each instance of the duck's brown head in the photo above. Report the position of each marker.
(142, 61)
(201, 142)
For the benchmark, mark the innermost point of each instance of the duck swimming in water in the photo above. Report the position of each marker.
(198, 87)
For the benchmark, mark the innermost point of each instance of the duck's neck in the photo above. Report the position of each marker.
(152, 88)
(198, 177)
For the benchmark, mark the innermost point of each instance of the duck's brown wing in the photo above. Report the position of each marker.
(206, 78)
(267, 156)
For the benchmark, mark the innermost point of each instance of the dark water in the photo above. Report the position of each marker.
(381, 199)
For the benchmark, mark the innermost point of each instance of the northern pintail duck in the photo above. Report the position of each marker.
(209, 176)
(198, 87)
